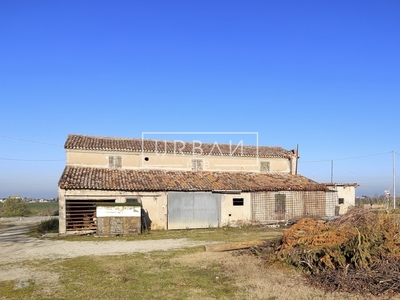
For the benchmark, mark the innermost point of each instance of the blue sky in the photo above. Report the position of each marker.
(324, 75)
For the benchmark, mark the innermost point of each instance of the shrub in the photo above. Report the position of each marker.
(48, 226)
(14, 207)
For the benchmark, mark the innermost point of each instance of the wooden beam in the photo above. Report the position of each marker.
(232, 246)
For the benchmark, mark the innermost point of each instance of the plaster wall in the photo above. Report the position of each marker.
(177, 162)
(235, 215)
(348, 194)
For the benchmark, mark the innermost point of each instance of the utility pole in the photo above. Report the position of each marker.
(297, 158)
(332, 171)
(394, 179)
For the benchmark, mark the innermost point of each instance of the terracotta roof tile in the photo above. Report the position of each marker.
(159, 180)
(83, 142)
(341, 184)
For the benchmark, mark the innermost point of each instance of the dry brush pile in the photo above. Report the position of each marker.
(358, 253)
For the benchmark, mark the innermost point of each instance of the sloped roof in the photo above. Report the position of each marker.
(77, 178)
(84, 142)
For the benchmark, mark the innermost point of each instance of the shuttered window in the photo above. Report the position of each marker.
(264, 166)
(115, 161)
(197, 165)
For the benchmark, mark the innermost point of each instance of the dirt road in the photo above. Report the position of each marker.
(16, 246)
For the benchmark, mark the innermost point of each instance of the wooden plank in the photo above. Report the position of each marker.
(232, 246)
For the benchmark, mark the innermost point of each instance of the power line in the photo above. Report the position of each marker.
(345, 158)
(30, 141)
(369, 177)
(312, 171)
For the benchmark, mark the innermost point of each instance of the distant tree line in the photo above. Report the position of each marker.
(376, 200)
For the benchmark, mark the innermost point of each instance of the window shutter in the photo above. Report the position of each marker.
(264, 166)
(114, 161)
(197, 165)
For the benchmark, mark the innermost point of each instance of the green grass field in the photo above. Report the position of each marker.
(41, 208)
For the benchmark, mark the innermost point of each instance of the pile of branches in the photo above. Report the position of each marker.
(381, 278)
(358, 253)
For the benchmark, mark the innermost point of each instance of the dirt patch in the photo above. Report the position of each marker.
(23, 276)
(33, 249)
(17, 246)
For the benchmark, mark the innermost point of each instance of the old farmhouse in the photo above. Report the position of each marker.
(186, 185)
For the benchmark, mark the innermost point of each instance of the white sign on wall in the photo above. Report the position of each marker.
(118, 211)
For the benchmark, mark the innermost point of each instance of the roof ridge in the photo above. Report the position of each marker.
(160, 140)
(86, 142)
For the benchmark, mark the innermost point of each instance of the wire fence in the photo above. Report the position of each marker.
(291, 205)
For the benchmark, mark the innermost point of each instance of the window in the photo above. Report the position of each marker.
(115, 161)
(238, 201)
(197, 165)
(341, 200)
(264, 166)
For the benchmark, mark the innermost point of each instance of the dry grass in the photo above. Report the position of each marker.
(254, 280)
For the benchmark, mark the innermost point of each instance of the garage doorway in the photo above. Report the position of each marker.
(193, 210)
(81, 214)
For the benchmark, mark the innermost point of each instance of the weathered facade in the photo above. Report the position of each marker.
(186, 185)
(345, 195)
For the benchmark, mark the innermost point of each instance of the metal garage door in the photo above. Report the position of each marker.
(193, 210)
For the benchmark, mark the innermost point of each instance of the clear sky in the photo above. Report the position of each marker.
(324, 75)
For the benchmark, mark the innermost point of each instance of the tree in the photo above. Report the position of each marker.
(14, 206)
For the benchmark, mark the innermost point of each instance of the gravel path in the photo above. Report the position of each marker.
(16, 246)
